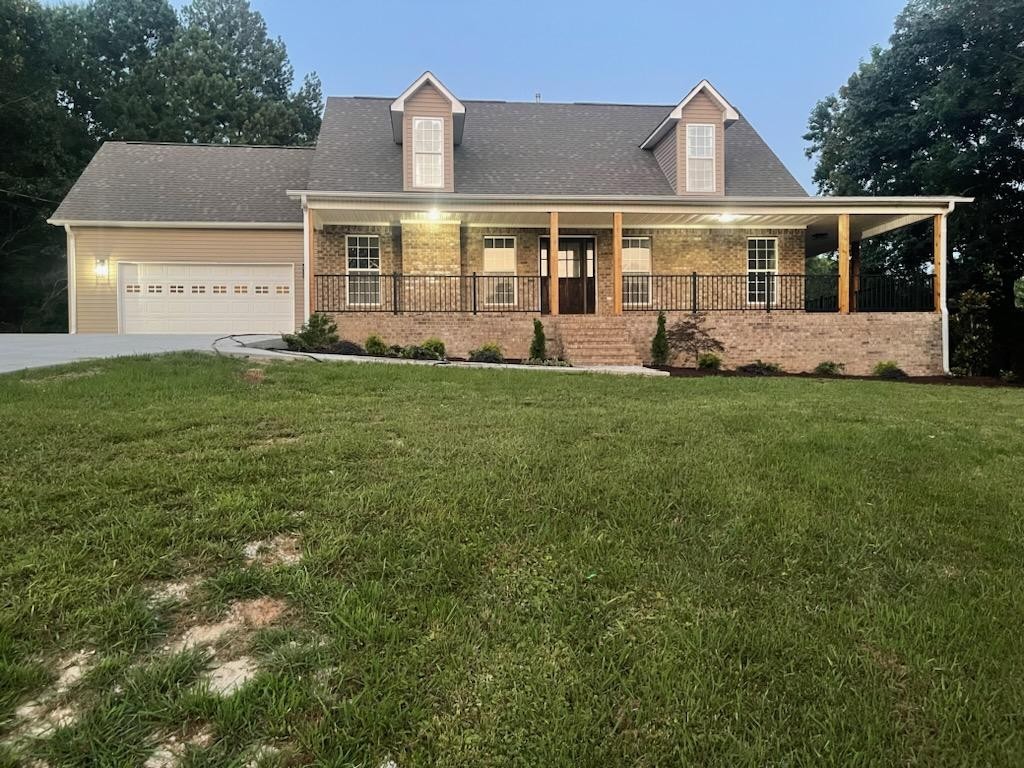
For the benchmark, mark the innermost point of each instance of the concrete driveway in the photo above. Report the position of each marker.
(36, 350)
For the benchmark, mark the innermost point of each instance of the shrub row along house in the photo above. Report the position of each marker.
(425, 215)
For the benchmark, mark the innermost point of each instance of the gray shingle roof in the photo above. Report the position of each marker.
(187, 182)
(527, 148)
(508, 148)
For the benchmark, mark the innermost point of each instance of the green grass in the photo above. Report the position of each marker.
(519, 568)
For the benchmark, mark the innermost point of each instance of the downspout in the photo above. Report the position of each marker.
(943, 236)
(72, 282)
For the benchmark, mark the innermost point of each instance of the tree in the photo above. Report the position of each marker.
(659, 344)
(72, 76)
(690, 338)
(940, 112)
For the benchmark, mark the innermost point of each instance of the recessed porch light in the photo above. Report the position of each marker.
(433, 214)
(725, 218)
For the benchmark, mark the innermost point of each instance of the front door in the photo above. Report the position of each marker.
(576, 283)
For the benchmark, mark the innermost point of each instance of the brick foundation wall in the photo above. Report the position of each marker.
(795, 340)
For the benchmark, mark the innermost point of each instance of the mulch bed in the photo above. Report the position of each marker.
(959, 381)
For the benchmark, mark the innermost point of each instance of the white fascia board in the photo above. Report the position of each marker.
(175, 224)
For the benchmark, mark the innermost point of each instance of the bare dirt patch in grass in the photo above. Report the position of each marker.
(50, 711)
(171, 752)
(227, 677)
(67, 376)
(173, 591)
(243, 615)
(283, 549)
(255, 375)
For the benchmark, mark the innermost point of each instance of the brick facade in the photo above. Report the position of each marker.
(795, 340)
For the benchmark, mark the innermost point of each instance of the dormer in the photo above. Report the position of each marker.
(689, 144)
(427, 120)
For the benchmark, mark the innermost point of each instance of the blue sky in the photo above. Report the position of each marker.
(772, 60)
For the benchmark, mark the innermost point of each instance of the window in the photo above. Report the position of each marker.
(177, 289)
(428, 152)
(241, 289)
(154, 289)
(133, 288)
(700, 158)
(262, 289)
(282, 290)
(500, 270)
(202, 289)
(216, 289)
(363, 260)
(762, 266)
(636, 271)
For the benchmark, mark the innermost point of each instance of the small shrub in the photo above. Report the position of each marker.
(375, 346)
(760, 368)
(345, 347)
(395, 350)
(539, 345)
(659, 344)
(1008, 377)
(829, 368)
(316, 333)
(488, 353)
(709, 361)
(689, 338)
(418, 352)
(887, 369)
(435, 345)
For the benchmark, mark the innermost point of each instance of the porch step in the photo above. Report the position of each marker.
(596, 341)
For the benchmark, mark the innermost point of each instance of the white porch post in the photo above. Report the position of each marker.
(940, 244)
(307, 259)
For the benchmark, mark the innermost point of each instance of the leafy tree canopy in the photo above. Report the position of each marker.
(940, 111)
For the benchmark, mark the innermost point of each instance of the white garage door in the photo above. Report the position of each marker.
(206, 298)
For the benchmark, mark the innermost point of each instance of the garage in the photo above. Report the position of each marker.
(205, 298)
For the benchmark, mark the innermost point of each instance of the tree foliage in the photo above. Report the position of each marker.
(73, 76)
(939, 111)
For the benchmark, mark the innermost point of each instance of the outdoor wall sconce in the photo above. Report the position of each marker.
(102, 268)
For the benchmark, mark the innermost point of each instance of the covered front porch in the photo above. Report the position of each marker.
(436, 254)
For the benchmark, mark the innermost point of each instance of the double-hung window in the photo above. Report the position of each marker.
(500, 271)
(762, 268)
(428, 152)
(363, 257)
(700, 158)
(636, 271)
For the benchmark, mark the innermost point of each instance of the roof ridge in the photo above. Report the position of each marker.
(525, 102)
(211, 144)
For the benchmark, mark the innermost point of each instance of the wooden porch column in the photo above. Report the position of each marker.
(617, 263)
(939, 257)
(553, 266)
(844, 263)
(854, 273)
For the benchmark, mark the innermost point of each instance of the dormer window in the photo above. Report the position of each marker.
(700, 158)
(428, 151)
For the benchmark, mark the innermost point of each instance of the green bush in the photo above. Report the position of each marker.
(539, 345)
(375, 346)
(395, 350)
(829, 368)
(709, 361)
(552, 362)
(435, 345)
(488, 353)
(659, 344)
(344, 347)
(317, 333)
(418, 352)
(760, 368)
(1008, 377)
(887, 369)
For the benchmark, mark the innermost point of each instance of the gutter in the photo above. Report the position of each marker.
(176, 224)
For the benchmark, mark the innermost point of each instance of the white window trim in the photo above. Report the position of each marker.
(774, 272)
(358, 271)
(415, 182)
(714, 149)
(648, 273)
(515, 272)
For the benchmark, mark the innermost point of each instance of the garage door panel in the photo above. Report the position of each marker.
(206, 298)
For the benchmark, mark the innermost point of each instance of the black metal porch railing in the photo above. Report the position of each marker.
(396, 293)
(766, 292)
(712, 293)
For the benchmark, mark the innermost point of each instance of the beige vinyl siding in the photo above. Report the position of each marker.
(702, 109)
(665, 154)
(96, 297)
(428, 102)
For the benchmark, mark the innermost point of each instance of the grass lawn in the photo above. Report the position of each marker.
(483, 568)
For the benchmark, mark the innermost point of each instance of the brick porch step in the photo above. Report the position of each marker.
(588, 340)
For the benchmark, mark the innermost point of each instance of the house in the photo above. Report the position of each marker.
(425, 215)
